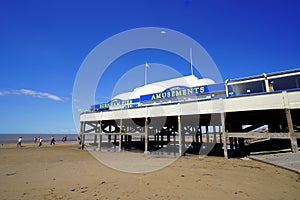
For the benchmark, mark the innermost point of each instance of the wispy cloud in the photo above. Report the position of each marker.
(35, 94)
(72, 130)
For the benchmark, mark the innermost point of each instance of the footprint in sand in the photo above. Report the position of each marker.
(83, 189)
(11, 174)
(25, 193)
(102, 183)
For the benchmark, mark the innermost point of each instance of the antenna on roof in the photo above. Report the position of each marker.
(191, 61)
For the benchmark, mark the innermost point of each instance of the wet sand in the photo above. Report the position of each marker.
(65, 172)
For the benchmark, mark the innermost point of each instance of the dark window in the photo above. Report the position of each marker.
(284, 83)
(246, 88)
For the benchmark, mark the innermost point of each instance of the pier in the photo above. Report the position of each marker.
(209, 123)
(191, 115)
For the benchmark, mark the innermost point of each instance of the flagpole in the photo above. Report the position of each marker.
(191, 61)
(146, 66)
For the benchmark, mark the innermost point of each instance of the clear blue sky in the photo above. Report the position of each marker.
(43, 43)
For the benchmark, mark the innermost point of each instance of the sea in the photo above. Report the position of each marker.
(11, 138)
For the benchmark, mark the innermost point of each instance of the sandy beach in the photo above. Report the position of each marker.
(65, 172)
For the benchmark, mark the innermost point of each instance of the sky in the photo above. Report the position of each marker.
(43, 44)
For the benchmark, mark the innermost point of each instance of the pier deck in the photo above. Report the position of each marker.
(209, 121)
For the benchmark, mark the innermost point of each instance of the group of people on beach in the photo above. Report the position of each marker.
(38, 140)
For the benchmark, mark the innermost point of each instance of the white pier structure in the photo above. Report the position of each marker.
(228, 120)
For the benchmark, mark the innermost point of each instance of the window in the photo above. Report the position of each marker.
(285, 83)
(246, 88)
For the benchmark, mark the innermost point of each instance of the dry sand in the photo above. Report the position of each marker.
(65, 172)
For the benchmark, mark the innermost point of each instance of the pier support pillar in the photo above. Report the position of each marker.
(200, 134)
(99, 142)
(197, 137)
(109, 136)
(120, 135)
(293, 139)
(100, 136)
(83, 141)
(215, 134)
(95, 138)
(120, 142)
(224, 135)
(180, 137)
(146, 136)
(82, 136)
(207, 134)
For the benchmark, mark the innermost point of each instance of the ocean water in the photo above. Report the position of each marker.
(11, 138)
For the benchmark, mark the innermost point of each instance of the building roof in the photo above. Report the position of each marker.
(264, 75)
(187, 81)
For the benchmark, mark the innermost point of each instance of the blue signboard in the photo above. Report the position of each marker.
(216, 87)
(175, 92)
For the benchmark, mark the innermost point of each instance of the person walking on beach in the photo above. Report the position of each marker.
(34, 140)
(19, 144)
(52, 140)
(64, 139)
(40, 142)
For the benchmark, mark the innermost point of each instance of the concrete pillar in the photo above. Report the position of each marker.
(200, 134)
(109, 136)
(99, 142)
(82, 136)
(83, 141)
(95, 137)
(197, 137)
(293, 139)
(207, 134)
(215, 134)
(183, 140)
(180, 136)
(220, 133)
(82, 127)
(120, 135)
(100, 136)
(146, 136)
(224, 135)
